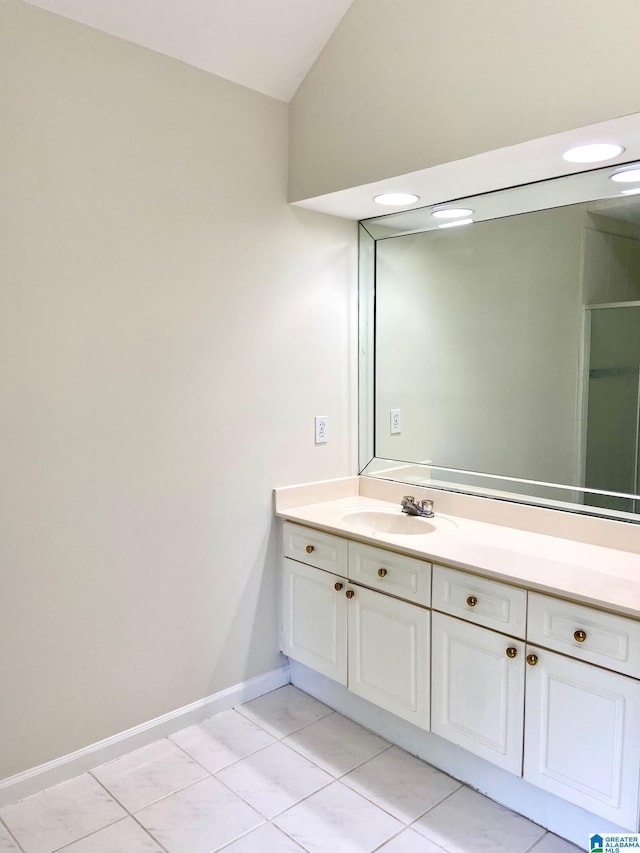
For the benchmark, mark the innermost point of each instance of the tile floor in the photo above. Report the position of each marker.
(281, 774)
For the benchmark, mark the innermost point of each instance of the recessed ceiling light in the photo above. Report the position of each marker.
(455, 222)
(396, 199)
(634, 191)
(595, 152)
(627, 176)
(451, 212)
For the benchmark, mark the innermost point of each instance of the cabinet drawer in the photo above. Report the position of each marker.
(315, 548)
(396, 574)
(591, 635)
(480, 600)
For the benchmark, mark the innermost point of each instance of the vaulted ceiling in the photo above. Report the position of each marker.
(267, 45)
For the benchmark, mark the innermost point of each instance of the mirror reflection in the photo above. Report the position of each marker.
(511, 347)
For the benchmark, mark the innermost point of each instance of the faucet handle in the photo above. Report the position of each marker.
(408, 499)
(427, 508)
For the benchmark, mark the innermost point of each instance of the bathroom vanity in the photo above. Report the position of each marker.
(499, 377)
(519, 647)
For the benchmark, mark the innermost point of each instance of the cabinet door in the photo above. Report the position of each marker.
(477, 693)
(582, 735)
(389, 654)
(315, 619)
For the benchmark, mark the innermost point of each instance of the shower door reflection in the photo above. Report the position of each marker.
(613, 410)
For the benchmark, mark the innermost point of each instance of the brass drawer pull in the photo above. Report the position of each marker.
(472, 600)
(382, 573)
(309, 549)
(338, 586)
(349, 593)
(532, 660)
(511, 652)
(579, 636)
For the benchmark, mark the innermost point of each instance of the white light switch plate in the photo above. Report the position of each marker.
(395, 422)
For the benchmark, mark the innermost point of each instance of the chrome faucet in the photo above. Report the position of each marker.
(422, 508)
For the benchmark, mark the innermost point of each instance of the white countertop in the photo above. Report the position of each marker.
(592, 574)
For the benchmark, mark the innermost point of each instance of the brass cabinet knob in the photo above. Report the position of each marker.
(472, 600)
(579, 636)
(309, 549)
(382, 573)
(350, 593)
(532, 660)
(338, 586)
(511, 652)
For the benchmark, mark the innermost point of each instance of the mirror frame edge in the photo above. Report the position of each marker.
(367, 252)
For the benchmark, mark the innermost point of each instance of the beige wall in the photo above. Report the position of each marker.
(168, 329)
(408, 84)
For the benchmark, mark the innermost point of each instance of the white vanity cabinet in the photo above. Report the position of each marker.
(478, 690)
(582, 731)
(314, 619)
(477, 673)
(389, 654)
(375, 644)
(544, 688)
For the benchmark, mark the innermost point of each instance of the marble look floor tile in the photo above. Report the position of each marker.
(411, 842)
(7, 844)
(222, 739)
(199, 819)
(265, 839)
(468, 821)
(401, 784)
(336, 744)
(62, 814)
(552, 844)
(126, 836)
(274, 779)
(338, 819)
(284, 711)
(149, 774)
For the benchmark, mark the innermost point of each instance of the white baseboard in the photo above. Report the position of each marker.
(22, 785)
(555, 814)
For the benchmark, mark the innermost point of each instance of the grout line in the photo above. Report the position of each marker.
(250, 714)
(538, 841)
(420, 836)
(312, 723)
(287, 734)
(235, 761)
(146, 831)
(265, 819)
(89, 834)
(194, 759)
(11, 835)
(238, 838)
(331, 781)
(131, 814)
(366, 761)
(286, 835)
(113, 797)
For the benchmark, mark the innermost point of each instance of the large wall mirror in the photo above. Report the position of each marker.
(501, 356)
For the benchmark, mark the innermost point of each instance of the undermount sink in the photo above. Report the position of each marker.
(394, 521)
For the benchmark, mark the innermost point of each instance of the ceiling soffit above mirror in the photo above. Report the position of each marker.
(515, 165)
